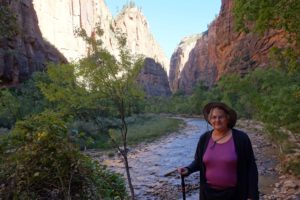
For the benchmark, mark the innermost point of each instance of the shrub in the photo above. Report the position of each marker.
(37, 161)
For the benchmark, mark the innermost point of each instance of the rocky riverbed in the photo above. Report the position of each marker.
(153, 165)
(274, 184)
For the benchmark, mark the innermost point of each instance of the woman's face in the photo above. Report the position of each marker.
(218, 119)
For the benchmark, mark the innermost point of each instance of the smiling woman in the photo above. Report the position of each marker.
(171, 21)
(227, 168)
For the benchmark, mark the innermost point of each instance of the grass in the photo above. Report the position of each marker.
(152, 129)
(144, 128)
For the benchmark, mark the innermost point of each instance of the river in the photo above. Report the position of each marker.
(152, 165)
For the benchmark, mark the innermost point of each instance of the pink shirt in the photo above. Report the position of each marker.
(220, 161)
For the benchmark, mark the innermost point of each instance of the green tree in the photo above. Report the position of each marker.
(9, 108)
(63, 91)
(18, 103)
(115, 80)
(199, 98)
(99, 82)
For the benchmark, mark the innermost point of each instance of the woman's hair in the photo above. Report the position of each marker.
(220, 108)
(230, 113)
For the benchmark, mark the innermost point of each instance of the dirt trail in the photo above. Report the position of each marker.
(152, 164)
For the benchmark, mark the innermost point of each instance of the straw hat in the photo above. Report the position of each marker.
(232, 114)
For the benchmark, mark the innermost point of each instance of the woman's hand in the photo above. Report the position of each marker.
(183, 171)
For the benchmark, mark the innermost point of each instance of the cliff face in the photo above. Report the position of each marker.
(58, 20)
(223, 50)
(139, 38)
(47, 33)
(179, 59)
(153, 76)
(154, 79)
(20, 56)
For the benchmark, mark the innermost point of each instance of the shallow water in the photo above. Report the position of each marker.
(152, 165)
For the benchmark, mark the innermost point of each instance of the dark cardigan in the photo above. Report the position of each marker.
(247, 175)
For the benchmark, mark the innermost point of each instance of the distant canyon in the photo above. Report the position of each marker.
(47, 35)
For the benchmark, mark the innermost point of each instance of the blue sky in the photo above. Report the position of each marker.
(172, 20)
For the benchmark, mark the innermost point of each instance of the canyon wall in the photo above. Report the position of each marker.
(223, 50)
(48, 35)
(26, 52)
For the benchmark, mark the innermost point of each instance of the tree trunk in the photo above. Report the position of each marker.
(128, 175)
(125, 153)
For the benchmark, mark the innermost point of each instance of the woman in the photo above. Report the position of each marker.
(225, 158)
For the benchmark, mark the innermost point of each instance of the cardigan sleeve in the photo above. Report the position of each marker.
(194, 166)
(252, 173)
(196, 163)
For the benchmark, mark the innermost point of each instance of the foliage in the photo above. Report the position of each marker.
(95, 89)
(115, 81)
(180, 103)
(9, 108)
(25, 100)
(278, 104)
(64, 91)
(129, 4)
(47, 164)
(38, 161)
(8, 21)
(285, 59)
(263, 15)
(270, 95)
(277, 14)
(177, 104)
(201, 96)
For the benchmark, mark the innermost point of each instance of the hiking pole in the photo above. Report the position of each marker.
(182, 187)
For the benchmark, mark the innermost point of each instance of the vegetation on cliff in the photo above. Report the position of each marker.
(260, 16)
(8, 21)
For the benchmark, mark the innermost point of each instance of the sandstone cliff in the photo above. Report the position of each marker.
(154, 74)
(58, 20)
(223, 50)
(140, 40)
(20, 56)
(47, 33)
(179, 59)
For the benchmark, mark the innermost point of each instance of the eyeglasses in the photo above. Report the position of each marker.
(218, 117)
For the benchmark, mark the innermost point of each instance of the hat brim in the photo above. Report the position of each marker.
(232, 114)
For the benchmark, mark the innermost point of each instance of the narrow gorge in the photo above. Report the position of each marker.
(47, 35)
(221, 50)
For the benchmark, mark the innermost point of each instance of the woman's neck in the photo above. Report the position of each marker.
(221, 132)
